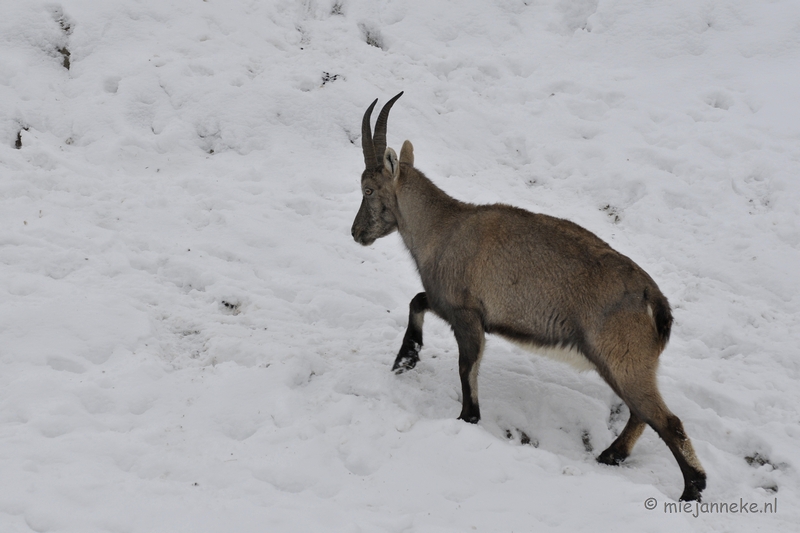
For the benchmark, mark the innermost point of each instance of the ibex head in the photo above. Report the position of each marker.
(376, 217)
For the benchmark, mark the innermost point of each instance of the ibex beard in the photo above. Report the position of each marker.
(539, 281)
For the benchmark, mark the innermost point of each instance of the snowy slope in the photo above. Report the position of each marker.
(190, 340)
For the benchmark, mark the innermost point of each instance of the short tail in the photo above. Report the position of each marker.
(662, 315)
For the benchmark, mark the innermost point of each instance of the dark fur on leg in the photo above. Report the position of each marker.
(408, 357)
(470, 338)
(621, 447)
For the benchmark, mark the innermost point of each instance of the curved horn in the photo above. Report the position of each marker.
(366, 138)
(379, 141)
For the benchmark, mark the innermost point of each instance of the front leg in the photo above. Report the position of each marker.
(468, 330)
(408, 357)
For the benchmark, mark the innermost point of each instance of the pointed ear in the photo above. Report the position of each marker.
(390, 163)
(407, 153)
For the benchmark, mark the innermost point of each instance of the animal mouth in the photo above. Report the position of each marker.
(363, 240)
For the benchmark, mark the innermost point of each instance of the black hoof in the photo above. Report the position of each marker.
(611, 457)
(470, 419)
(690, 494)
(401, 364)
(692, 490)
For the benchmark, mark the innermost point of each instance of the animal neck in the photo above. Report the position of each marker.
(426, 213)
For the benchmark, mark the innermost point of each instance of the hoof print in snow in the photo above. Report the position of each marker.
(612, 212)
(231, 308)
(586, 439)
(210, 134)
(757, 461)
(63, 21)
(352, 137)
(523, 438)
(18, 141)
(327, 77)
(757, 206)
(111, 84)
(337, 9)
(719, 100)
(526, 440)
(371, 35)
(66, 26)
(305, 38)
(65, 55)
(616, 416)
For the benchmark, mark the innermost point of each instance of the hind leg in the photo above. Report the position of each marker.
(620, 449)
(627, 351)
(641, 394)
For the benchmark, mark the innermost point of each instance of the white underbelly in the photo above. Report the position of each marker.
(568, 355)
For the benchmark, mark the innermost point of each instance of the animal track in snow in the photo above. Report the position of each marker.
(231, 307)
(575, 14)
(617, 418)
(522, 436)
(719, 100)
(586, 439)
(372, 35)
(612, 212)
(66, 25)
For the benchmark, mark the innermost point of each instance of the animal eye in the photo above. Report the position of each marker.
(367, 192)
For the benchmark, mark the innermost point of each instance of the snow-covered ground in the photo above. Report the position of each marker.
(190, 340)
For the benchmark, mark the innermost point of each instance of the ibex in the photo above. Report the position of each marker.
(539, 281)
